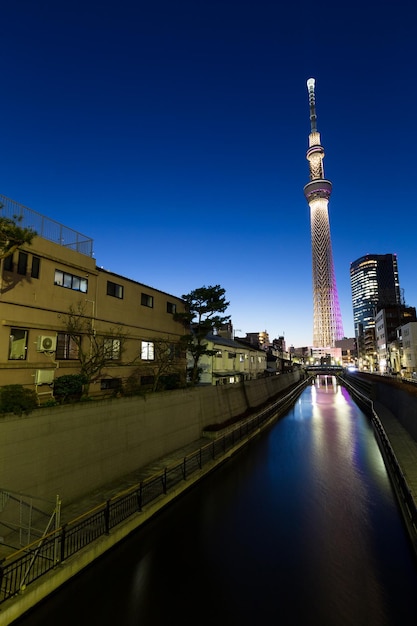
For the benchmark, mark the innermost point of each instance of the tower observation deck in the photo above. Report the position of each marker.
(327, 322)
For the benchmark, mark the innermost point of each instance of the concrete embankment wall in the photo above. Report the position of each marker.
(401, 404)
(73, 449)
(399, 401)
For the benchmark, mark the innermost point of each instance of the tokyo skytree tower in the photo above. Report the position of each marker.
(327, 324)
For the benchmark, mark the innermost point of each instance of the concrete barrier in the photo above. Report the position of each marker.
(71, 450)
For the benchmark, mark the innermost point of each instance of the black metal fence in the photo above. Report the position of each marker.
(46, 227)
(36, 559)
(362, 393)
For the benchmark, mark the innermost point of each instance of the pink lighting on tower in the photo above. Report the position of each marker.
(327, 322)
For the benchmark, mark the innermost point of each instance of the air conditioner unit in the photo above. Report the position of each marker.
(44, 377)
(46, 343)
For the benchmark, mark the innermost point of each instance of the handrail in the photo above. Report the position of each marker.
(404, 495)
(89, 526)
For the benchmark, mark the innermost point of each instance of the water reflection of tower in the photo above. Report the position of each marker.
(327, 320)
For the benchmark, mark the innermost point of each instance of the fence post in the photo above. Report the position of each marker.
(107, 518)
(139, 496)
(1, 576)
(63, 538)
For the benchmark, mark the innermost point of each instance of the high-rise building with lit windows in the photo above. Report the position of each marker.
(375, 285)
(327, 322)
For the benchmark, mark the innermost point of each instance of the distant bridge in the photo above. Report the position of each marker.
(324, 369)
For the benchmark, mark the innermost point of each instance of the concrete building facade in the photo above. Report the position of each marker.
(41, 284)
(232, 361)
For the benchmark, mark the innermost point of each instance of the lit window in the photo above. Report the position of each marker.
(69, 281)
(147, 351)
(18, 344)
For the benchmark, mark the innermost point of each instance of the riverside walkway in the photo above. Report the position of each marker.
(90, 513)
(403, 445)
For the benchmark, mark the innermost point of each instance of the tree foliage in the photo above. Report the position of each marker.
(69, 387)
(12, 236)
(204, 309)
(17, 399)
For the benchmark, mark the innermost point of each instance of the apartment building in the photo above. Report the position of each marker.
(232, 361)
(409, 350)
(48, 285)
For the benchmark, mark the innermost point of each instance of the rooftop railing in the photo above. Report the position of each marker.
(46, 227)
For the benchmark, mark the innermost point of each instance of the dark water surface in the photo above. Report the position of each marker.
(300, 528)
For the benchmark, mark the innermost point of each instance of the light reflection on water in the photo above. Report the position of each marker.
(301, 528)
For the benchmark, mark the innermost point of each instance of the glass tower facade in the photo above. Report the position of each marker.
(375, 285)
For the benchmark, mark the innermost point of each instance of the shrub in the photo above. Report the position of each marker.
(69, 388)
(17, 399)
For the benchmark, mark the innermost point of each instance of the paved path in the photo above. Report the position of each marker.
(100, 495)
(403, 444)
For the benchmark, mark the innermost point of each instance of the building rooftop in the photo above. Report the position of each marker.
(46, 227)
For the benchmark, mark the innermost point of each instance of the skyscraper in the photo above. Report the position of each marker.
(327, 322)
(375, 285)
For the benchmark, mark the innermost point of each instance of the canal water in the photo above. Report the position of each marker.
(300, 528)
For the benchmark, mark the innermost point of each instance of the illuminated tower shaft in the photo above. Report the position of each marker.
(327, 325)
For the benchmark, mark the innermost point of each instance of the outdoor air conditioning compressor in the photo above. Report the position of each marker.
(46, 343)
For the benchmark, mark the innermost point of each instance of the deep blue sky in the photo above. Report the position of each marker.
(174, 134)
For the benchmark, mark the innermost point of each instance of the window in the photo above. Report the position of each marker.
(171, 307)
(147, 351)
(111, 348)
(110, 383)
(146, 300)
(69, 281)
(8, 263)
(66, 347)
(36, 262)
(18, 344)
(219, 354)
(22, 263)
(147, 380)
(115, 290)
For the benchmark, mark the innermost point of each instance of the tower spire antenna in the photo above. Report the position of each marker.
(311, 83)
(327, 324)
